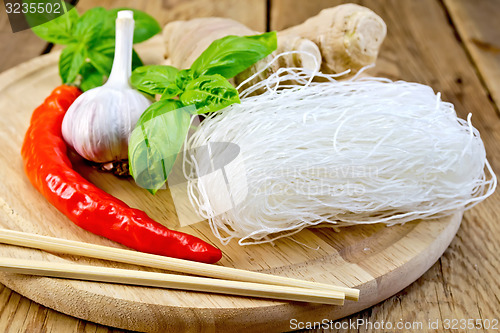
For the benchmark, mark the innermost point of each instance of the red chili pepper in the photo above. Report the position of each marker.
(49, 169)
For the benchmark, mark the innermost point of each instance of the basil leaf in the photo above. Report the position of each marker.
(183, 78)
(156, 141)
(58, 30)
(157, 109)
(100, 64)
(88, 28)
(91, 36)
(136, 60)
(101, 61)
(90, 77)
(209, 93)
(71, 60)
(36, 17)
(154, 79)
(231, 55)
(145, 25)
(171, 91)
(106, 47)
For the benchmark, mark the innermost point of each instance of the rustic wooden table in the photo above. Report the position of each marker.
(451, 45)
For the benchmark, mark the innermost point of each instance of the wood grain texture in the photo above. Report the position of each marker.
(250, 12)
(421, 46)
(19, 314)
(378, 260)
(478, 26)
(17, 47)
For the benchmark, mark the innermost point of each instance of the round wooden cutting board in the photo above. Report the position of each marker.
(378, 260)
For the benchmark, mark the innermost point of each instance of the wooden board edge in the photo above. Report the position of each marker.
(162, 318)
(25, 68)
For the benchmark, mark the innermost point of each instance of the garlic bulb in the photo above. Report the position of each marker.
(98, 124)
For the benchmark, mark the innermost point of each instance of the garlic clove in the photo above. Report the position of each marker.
(98, 124)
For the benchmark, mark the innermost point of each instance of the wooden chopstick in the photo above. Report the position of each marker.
(65, 246)
(170, 281)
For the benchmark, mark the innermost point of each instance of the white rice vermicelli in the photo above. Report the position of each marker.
(355, 152)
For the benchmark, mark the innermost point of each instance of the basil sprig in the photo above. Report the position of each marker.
(159, 134)
(156, 141)
(231, 55)
(90, 42)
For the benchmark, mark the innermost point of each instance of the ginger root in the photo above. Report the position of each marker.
(349, 36)
(186, 40)
(310, 61)
(338, 38)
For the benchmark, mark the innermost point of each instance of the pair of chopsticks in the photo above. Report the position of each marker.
(217, 279)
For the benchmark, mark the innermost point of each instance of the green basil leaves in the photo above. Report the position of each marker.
(154, 79)
(57, 30)
(160, 132)
(145, 26)
(209, 93)
(90, 42)
(156, 141)
(231, 55)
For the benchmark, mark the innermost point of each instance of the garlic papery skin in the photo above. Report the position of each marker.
(98, 124)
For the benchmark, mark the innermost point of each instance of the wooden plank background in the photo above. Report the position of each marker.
(452, 45)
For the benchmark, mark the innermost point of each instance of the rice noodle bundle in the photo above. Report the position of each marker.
(355, 152)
